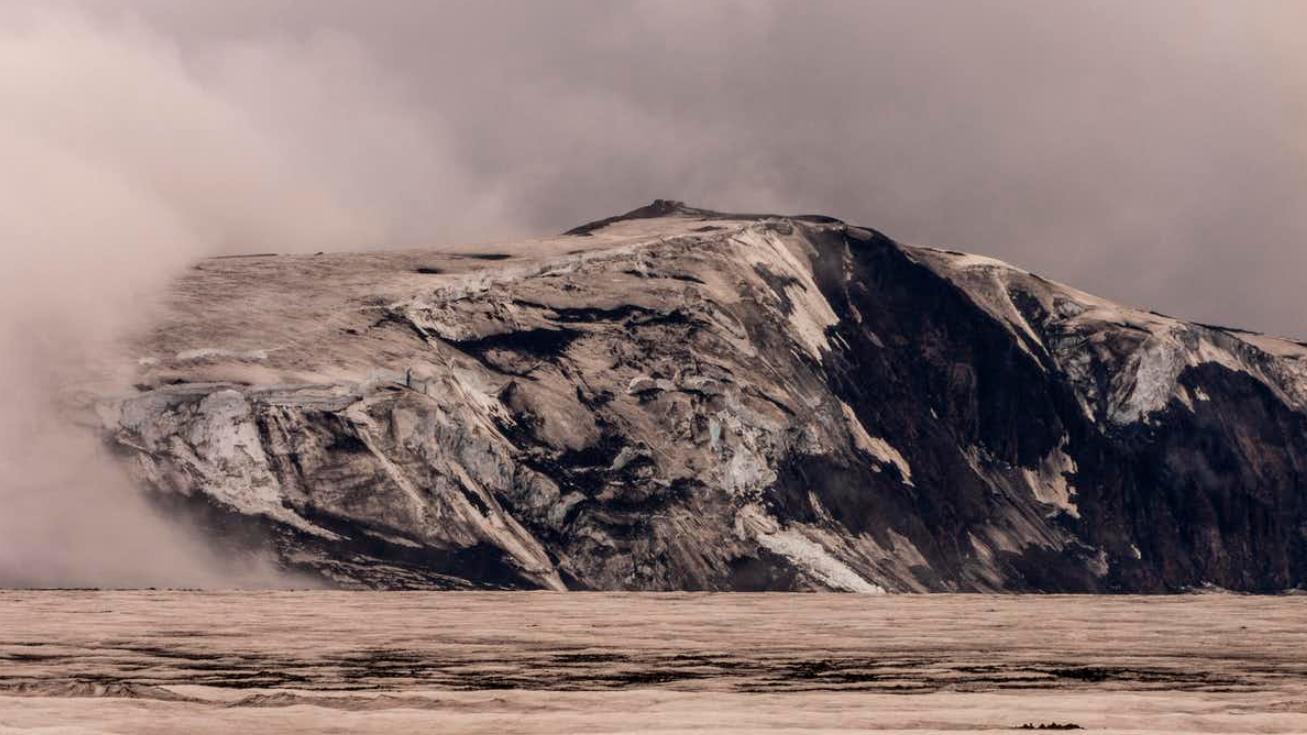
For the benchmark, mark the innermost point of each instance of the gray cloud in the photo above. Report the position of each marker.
(1148, 152)
(1151, 152)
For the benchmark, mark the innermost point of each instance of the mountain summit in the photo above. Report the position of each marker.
(680, 399)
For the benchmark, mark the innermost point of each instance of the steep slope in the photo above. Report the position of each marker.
(682, 399)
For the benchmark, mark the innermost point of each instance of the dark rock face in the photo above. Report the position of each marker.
(682, 399)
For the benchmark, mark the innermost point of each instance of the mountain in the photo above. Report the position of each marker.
(679, 399)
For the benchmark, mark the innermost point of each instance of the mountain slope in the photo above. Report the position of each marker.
(682, 399)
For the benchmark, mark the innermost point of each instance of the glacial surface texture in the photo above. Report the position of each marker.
(678, 399)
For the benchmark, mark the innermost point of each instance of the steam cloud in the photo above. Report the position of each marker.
(1152, 153)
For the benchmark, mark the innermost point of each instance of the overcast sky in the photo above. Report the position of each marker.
(1151, 152)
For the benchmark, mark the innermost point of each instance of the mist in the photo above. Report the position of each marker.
(1148, 153)
(124, 162)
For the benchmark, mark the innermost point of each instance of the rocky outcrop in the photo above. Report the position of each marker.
(682, 399)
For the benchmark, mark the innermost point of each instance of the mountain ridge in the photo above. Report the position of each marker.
(676, 398)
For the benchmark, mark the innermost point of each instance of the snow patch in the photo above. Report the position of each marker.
(1158, 364)
(811, 314)
(971, 260)
(747, 471)
(1049, 481)
(804, 553)
(209, 353)
(875, 446)
(986, 281)
(396, 540)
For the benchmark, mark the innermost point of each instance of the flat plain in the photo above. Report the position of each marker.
(541, 662)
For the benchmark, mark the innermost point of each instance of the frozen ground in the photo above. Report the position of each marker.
(165, 662)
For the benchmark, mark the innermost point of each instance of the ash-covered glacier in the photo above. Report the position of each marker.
(678, 399)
